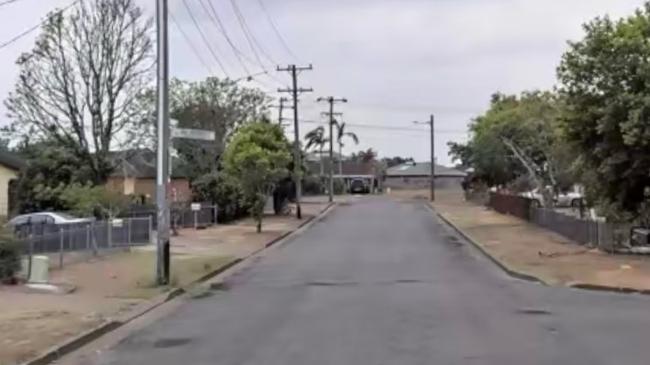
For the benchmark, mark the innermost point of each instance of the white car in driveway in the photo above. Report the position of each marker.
(46, 218)
(569, 199)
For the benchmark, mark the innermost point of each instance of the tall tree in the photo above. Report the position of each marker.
(604, 80)
(341, 135)
(257, 157)
(316, 139)
(78, 86)
(216, 105)
(366, 156)
(518, 135)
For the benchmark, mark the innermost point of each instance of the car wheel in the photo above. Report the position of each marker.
(535, 204)
(575, 203)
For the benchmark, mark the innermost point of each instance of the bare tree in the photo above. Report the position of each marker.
(79, 86)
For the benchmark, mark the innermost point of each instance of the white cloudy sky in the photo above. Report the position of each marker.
(395, 60)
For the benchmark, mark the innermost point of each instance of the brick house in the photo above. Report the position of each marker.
(135, 174)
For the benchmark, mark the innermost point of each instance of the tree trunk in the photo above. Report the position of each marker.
(259, 225)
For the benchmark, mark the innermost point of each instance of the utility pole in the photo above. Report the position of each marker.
(296, 148)
(331, 100)
(162, 159)
(281, 106)
(431, 124)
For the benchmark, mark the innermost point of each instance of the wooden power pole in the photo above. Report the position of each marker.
(294, 90)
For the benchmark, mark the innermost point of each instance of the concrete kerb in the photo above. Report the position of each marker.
(212, 279)
(512, 273)
(609, 289)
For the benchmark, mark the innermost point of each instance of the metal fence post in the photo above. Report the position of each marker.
(94, 238)
(109, 233)
(61, 237)
(31, 256)
(149, 228)
(128, 231)
(87, 236)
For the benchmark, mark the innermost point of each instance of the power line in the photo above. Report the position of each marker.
(29, 30)
(7, 2)
(212, 14)
(205, 39)
(250, 37)
(275, 29)
(241, 56)
(192, 46)
(391, 128)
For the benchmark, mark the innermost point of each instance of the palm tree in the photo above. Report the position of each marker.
(316, 138)
(340, 135)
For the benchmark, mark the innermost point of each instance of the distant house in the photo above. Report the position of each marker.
(135, 174)
(418, 176)
(350, 170)
(10, 166)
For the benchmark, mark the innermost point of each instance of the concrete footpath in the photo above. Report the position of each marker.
(113, 289)
(529, 251)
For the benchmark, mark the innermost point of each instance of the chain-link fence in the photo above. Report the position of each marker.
(193, 216)
(90, 237)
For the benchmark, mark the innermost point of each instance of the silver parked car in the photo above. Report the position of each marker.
(46, 218)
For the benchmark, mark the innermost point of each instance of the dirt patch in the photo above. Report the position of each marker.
(532, 250)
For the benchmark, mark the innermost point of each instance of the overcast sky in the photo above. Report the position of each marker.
(395, 60)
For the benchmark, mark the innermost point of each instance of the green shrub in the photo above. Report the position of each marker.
(339, 187)
(312, 185)
(9, 256)
(221, 189)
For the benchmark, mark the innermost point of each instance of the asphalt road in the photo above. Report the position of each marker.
(383, 282)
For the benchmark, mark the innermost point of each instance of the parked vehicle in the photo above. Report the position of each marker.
(359, 186)
(568, 199)
(535, 196)
(42, 218)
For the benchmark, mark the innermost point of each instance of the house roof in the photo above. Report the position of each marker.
(423, 169)
(11, 160)
(141, 164)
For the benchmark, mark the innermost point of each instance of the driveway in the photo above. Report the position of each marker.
(382, 282)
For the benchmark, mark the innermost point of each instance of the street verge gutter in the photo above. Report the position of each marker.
(528, 277)
(219, 274)
(512, 273)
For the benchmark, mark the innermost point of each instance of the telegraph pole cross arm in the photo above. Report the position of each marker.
(331, 100)
(297, 163)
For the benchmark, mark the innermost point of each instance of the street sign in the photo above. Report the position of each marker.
(187, 133)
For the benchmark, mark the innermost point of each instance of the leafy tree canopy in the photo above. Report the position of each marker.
(604, 81)
(216, 105)
(258, 156)
(517, 135)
